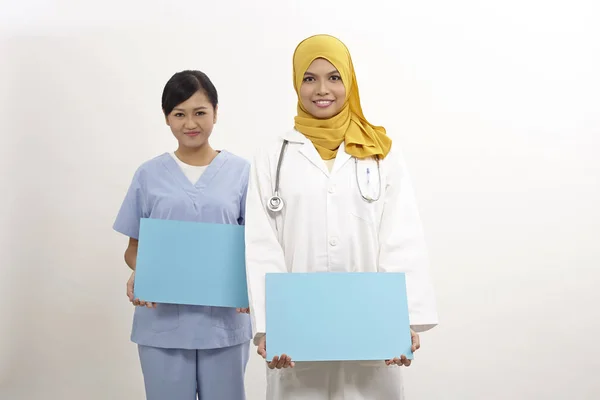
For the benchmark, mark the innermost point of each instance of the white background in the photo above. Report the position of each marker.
(497, 107)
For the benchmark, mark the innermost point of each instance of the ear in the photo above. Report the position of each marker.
(215, 114)
(167, 120)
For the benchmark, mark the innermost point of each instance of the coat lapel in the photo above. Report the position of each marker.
(340, 159)
(309, 151)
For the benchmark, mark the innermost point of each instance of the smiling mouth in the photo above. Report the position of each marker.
(191, 133)
(323, 103)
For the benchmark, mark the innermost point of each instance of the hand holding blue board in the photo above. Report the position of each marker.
(337, 316)
(191, 263)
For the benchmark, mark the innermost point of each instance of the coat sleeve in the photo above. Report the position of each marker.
(402, 244)
(264, 253)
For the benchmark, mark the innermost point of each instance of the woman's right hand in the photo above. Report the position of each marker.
(277, 362)
(136, 302)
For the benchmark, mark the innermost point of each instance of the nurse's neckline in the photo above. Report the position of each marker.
(198, 166)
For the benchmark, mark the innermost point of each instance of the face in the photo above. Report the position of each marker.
(192, 121)
(322, 92)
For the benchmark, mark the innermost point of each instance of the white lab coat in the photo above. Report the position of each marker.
(326, 226)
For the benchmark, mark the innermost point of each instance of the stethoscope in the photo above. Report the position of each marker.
(275, 202)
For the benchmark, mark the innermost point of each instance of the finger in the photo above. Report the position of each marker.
(281, 361)
(397, 361)
(417, 345)
(262, 349)
(416, 341)
(274, 362)
(405, 361)
(288, 362)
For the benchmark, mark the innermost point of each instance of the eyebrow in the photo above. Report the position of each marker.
(195, 109)
(331, 73)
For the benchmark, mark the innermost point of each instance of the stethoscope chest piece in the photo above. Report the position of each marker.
(275, 203)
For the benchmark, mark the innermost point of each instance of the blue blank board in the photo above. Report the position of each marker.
(337, 316)
(191, 263)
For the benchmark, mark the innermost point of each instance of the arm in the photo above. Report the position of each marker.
(128, 223)
(263, 251)
(242, 217)
(402, 244)
(131, 253)
(130, 259)
(244, 194)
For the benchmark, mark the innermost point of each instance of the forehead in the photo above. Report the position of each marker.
(198, 99)
(321, 65)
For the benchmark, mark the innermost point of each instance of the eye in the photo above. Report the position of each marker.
(178, 115)
(308, 79)
(335, 78)
(200, 113)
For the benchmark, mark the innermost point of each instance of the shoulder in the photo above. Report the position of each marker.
(395, 153)
(234, 159)
(268, 149)
(236, 162)
(394, 162)
(150, 167)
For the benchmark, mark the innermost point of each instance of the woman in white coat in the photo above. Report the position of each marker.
(348, 206)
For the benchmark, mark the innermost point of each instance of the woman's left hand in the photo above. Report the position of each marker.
(416, 345)
(243, 310)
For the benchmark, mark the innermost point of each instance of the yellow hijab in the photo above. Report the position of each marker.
(349, 125)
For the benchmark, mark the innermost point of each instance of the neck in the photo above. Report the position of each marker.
(199, 156)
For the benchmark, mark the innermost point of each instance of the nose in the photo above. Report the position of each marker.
(323, 90)
(189, 123)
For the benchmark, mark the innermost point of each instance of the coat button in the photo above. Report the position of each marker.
(332, 189)
(333, 242)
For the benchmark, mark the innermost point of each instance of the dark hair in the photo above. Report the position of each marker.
(183, 85)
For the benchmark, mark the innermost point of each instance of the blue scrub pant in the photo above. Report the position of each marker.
(180, 374)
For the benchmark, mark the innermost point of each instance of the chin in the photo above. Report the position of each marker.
(191, 144)
(321, 114)
(324, 113)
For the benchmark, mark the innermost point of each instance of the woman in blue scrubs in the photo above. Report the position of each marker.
(187, 351)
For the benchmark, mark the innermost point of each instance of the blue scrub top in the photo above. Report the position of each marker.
(161, 190)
